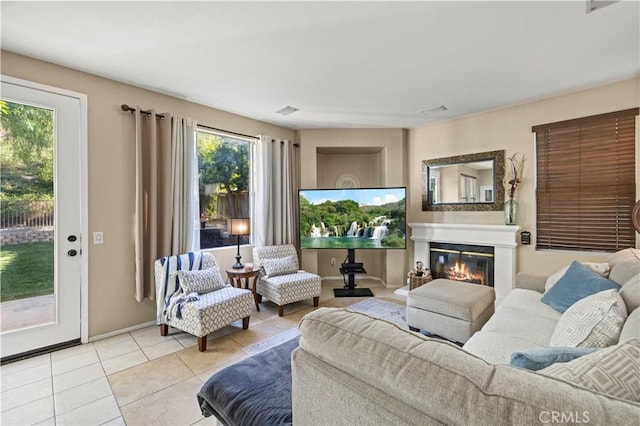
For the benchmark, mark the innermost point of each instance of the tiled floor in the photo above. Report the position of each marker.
(142, 378)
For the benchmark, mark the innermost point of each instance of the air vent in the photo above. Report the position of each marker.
(434, 110)
(287, 110)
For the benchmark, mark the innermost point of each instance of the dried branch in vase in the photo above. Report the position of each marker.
(514, 172)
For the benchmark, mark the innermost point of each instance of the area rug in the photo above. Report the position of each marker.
(381, 309)
(376, 308)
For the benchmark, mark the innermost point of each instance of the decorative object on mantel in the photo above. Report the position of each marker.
(514, 173)
(635, 216)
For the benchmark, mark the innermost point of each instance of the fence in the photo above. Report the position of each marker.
(26, 214)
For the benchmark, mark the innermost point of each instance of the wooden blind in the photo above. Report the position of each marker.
(585, 183)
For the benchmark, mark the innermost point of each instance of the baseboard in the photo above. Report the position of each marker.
(122, 331)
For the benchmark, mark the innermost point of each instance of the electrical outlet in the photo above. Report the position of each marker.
(98, 237)
(333, 261)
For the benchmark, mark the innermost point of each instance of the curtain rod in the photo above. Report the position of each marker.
(227, 131)
(237, 134)
(127, 108)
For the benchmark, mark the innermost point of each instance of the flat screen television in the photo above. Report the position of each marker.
(362, 218)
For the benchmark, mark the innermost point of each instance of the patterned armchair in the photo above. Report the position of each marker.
(281, 282)
(208, 305)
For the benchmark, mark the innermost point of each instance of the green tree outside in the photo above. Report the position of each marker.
(224, 163)
(26, 165)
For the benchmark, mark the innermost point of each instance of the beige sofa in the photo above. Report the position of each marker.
(522, 322)
(351, 369)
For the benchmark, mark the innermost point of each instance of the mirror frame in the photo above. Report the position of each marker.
(498, 177)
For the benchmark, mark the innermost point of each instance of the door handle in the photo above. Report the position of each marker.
(72, 252)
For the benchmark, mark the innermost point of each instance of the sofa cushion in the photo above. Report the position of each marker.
(631, 326)
(537, 359)
(595, 321)
(200, 281)
(577, 283)
(519, 322)
(601, 269)
(496, 348)
(630, 293)
(528, 301)
(625, 264)
(614, 371)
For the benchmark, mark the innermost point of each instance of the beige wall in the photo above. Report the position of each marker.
(377, 158)
(111, 169)
(110, 164)
(510, 129)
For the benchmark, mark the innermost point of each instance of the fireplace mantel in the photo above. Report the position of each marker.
(503, 238)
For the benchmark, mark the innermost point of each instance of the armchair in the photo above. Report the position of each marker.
(281, 282)
(192, 296)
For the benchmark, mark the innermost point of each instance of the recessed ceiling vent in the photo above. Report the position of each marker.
(287, 110)
(598, 4)
(434, 110)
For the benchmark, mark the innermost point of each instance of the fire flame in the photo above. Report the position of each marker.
(460, 272)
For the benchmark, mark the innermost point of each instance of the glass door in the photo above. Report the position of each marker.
(40, 218)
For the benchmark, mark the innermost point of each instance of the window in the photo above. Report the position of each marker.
(585, 183)
(223, 180)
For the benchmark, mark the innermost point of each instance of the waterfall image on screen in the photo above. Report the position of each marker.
(364, 218)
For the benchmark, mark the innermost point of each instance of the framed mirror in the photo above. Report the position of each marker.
(471, 182)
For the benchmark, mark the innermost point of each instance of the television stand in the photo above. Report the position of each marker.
(351, 268)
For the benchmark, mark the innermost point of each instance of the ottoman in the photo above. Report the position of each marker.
(451, 309)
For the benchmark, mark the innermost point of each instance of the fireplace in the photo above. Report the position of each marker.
(462, 262)
(502, 238)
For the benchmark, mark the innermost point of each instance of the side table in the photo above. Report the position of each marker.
(237, 275)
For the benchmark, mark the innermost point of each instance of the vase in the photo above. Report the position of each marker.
(511, 208)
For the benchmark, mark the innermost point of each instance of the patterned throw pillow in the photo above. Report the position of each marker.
(593, 322)
(202, 281)
(613, 371)
(280, 266)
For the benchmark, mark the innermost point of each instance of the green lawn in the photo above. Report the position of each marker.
(26, 270)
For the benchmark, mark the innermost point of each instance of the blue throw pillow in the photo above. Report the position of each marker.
(577, 283)
(537, 359)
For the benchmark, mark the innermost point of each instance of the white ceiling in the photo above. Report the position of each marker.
(343, 64)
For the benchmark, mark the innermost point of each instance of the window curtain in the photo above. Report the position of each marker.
(152, 217)
(185, 226)
(275, 185)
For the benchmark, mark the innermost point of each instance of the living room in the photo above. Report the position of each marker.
(399, 150)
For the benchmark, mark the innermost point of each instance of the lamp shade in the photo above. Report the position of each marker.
(238, 226)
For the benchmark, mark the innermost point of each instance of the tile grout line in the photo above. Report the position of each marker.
(120, 407)
(106, 376)
(53, 391)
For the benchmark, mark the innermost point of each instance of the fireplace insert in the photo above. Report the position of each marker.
(462, 262)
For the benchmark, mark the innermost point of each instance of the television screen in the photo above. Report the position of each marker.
(363, 218)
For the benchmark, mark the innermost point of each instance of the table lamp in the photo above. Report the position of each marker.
(238, 226)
